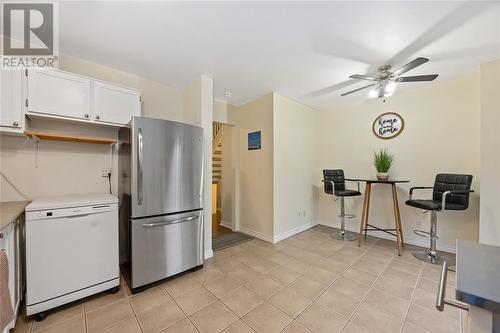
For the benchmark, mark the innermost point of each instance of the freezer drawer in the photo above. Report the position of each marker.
(165, 245)
(69, 251)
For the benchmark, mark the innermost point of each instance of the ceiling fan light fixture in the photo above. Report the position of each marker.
(389, 88)
(373, 93)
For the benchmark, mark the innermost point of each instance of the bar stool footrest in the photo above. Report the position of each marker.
(424, 234)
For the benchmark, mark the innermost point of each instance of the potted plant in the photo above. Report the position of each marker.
(383, 161)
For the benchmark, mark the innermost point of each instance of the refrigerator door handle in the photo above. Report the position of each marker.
(140, 153)
(159, 224)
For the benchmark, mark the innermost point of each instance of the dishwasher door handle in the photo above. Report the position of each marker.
(159, 224)
(441, 300)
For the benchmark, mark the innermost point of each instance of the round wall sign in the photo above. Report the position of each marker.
(388, 125)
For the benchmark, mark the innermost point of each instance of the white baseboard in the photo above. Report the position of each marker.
(226, 224)
(209, 254)
(256, 234)
(277, 238)
(293, 231)
(423, 242)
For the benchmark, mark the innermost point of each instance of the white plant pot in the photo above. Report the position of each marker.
(382, 175)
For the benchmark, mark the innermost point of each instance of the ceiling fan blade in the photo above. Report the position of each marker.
(409, 66)
(353, 91)
(363, 77)
(418, 78)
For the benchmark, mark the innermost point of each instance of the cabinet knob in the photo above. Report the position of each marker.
(86, 115)
(1, 236)
(97, 117)
(15, 123)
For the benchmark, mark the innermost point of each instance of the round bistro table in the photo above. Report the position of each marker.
(365, 226)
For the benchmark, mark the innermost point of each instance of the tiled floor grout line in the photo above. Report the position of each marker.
(329, 285)
(239, 318)
(412, 296)
(136, 315)
(341, 274)
(187, 317)
(264, 299)
(368, 291)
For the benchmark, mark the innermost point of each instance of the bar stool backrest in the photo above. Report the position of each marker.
(337, 176)
(453, 182)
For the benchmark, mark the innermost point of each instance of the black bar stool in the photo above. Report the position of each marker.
(334, 183)
(450, 192)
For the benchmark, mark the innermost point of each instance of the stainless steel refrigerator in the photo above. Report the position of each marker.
(160, 172)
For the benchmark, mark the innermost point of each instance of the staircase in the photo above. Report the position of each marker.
(216, 154)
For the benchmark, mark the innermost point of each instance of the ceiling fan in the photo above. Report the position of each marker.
(385, 80)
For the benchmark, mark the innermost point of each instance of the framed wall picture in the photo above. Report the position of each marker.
(254, 140)
(388, 125)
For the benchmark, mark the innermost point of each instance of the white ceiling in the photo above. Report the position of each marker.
(303, 50)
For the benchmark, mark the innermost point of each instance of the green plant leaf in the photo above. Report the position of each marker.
(382, 160)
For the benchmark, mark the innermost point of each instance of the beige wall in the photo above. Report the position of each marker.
(441, 135)
(256, 168)
(295, 154)
(489, 227)
(191, 103)
(63, 167)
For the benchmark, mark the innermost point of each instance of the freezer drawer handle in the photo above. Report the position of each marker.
(151, 225)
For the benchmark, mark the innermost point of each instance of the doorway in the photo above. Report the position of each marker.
(221, 166)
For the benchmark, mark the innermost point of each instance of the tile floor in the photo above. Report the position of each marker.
(306, 283)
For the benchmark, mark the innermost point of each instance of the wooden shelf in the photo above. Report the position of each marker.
(73, 138)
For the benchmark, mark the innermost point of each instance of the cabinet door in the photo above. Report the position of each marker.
(57, 93)
(11, 102)
(115, 104)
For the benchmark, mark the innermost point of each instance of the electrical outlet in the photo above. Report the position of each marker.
(106, 172)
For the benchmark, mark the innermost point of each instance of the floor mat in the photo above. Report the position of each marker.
(228, 240)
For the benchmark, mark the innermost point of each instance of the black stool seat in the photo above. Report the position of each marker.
(347, 193)
(433, 205)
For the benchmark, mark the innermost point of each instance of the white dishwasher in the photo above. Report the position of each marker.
(71, 249)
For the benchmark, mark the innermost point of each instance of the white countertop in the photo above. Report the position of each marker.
(73, 200)
(10, 210)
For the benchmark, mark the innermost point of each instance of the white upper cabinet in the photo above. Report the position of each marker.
(11, 101)
(115, 104)
(56, 93)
